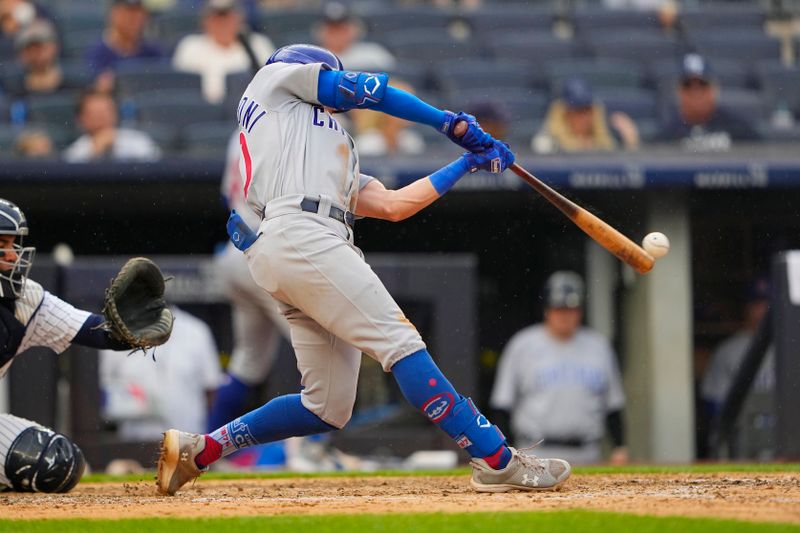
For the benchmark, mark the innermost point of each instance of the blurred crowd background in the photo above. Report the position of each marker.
(548, 76)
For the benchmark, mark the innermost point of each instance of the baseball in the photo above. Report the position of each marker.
(62, 254)
(656, 244)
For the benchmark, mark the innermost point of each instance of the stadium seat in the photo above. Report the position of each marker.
(489, 20)
(428, 46)
(75, 43)
(747, 104)
(780, 84)
(382, 20)
(207, 139)
(600, 74)
(165, 136)
(8, 135)
(593, 19)
(81, 17)
(480, 74)
(721, 15)
(643, 47)
(523, 104)
(412, 72)
(748, 46)
(57, 109)
(533, 48)
(639, 104)
(133, 77)
(76, 73)
(286, 27)
(176, 107)
(174, 24)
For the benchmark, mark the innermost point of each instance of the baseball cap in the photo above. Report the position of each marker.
(564, 290)
(577, 93)
(695, 66)
(38, 31)
(220, 6)
(336, 13)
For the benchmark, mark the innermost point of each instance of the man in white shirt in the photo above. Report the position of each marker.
(216, 52)
(97, 116)
(147, 397)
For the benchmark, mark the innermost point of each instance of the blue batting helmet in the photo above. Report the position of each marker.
(305, 54)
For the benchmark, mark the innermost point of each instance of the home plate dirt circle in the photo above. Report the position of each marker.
(773, 497)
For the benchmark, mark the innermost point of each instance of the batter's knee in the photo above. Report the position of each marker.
(336, 409)
(40, 460)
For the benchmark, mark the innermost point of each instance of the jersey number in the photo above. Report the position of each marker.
(248, 163)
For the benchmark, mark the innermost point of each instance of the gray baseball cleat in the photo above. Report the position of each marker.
(176, 465)
(523, 472)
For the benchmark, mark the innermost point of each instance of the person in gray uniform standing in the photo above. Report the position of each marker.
(558, 382)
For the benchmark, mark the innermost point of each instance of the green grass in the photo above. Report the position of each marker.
(539, 522)
(630, 469)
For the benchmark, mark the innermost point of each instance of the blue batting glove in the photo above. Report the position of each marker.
(241, 235)
(474, 140)
(494, 160)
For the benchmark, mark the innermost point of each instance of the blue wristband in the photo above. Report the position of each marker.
(444, 178)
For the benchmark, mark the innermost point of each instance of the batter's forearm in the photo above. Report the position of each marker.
(401, 104)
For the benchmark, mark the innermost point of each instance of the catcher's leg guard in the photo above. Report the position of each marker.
(40, 460)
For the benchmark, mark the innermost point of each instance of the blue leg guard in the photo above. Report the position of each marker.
(426, 388)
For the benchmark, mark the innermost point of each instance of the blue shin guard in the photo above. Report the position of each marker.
(426, 388)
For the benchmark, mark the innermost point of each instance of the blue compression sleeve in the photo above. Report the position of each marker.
(444, 178)
(395, 102)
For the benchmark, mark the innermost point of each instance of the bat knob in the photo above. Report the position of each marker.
(460, 128)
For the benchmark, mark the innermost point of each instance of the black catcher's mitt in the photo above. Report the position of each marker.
(135, 310)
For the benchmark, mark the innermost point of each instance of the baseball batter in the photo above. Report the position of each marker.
(34, 458)
(559, 381)
(257, 323)
(301, 175)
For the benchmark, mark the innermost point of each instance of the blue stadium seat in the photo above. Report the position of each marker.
(176, 23)
(722, 15)
(523, 104)
(286, 27)
(639, 104)
(166, 136)
(412, 72)
(592, 19)
(75, 43)
(80, 17)
(643, 47)
(600, 74)
(56, 109)
(481, 74)
(430, 47)
(76, 73)
(489, 20)
(8, 135)
(133, 77)
(742, 45)
(177, 107)
(382, 20)
(534, 48)
(207, 139)
(780, 84)
(748, 104)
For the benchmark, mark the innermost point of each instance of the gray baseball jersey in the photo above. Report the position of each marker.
(556, 389)
(725, 363)
(49, 321)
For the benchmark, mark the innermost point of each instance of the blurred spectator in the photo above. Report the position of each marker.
(493, 118)
(699, 122)
(34, 144)
(97, 116)
(382, 134)
(665, 10)
(341, 33)
(577, 122)
(122, 40)
(756, 422)
(559, 382)
(37, 54)
(147, 397)
(216, 52)
(14, 16)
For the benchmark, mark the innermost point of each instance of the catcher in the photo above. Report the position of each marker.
(34, 458)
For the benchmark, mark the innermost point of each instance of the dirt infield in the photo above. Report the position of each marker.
(757, 497)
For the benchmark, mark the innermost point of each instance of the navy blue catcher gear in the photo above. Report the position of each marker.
(305, 54)
(40, 460)
(15, 261)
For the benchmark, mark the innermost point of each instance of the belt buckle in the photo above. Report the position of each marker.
(349, 218)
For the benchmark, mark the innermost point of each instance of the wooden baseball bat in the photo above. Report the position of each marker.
(603, 233)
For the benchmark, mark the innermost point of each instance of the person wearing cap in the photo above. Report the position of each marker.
(341, 33)
(122, 40)
(216, 52)
(559, 381)
(577, 122)
(756, 423)
(14, 16)
(380, 134)
(37, 55)
(699, 122)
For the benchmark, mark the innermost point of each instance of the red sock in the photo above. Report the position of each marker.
(210, 453)
(499, 459)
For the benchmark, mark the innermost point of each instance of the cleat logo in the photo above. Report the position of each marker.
(531, 482)
(184, 456)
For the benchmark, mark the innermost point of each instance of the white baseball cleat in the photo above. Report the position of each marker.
(523, 472)
(176, 464)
